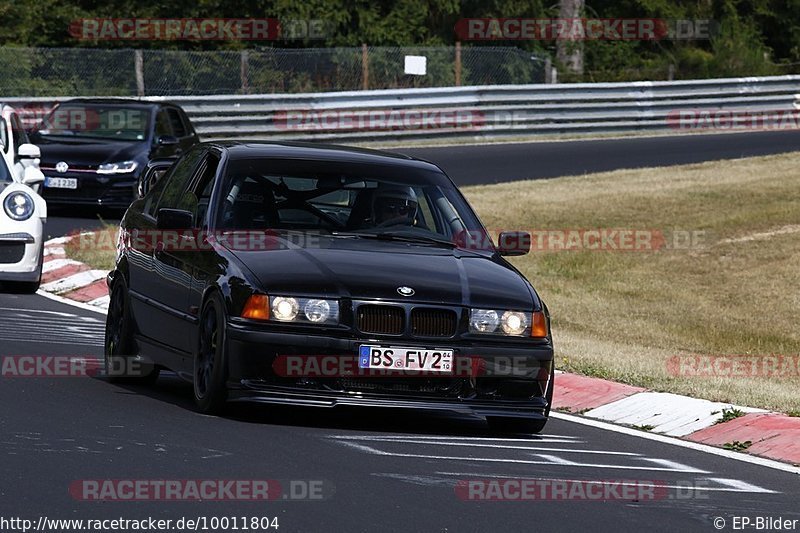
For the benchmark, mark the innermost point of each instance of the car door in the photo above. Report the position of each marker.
(203, 262)
(158, 286)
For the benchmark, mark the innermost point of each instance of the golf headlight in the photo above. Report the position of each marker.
(19, 205)
(499, 322)
(313, 310)
(123, 167)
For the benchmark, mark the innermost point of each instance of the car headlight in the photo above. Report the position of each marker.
(317, 310)
(284, 309)
(483, 321)
(508, 323)
(514, 323)
(19, 205)
(123, 167)
(291, 309)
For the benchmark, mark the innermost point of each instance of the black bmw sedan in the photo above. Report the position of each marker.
(325, 276)
(94, 149)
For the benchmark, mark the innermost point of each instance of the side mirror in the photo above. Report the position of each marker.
(29, 151)
(167, 140)
(174, 219)
(514, 243)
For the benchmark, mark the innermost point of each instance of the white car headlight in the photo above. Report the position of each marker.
(317, 310)
(284, 309)
(19, 206)
(514, 323)
(300, 310)
(123, 167)
(483, 320)
(499, 322)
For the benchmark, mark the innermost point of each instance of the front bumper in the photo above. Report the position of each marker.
(495, 390)
(20, 254)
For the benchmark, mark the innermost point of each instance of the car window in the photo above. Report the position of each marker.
(175, 120)
(197, 196)
(20, 136)
(163, 126)
(256, 196)
(96, 121)
(3, 132)
(176, 180)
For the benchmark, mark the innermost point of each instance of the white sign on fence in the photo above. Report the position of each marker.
(416, 65)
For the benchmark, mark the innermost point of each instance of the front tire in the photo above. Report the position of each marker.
(210, 365)
(120, 347)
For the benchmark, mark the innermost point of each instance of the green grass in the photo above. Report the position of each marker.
(95, 249)
(624, 315)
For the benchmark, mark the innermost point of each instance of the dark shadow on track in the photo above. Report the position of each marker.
(171, 389)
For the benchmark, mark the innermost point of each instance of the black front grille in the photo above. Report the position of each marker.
(381, 319)
(11, 252)
(433, 322)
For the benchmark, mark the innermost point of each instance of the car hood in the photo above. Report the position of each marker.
(87, 152)
(373, 270)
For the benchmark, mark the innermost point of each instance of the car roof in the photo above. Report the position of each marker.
(316, 151)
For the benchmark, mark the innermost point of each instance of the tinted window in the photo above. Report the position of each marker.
(177, 179)
(197, 197)
(261, 194)
(98, 121)
(3, 132)
(163, 126)
(178, 128)
(20, 137)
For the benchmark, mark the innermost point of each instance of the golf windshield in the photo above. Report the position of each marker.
(112, 122)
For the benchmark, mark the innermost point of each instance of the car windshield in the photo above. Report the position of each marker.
(113, 122)
(348, 200)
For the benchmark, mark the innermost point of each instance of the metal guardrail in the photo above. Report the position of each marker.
(480, 111)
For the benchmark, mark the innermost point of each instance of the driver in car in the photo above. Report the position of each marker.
(393, 206)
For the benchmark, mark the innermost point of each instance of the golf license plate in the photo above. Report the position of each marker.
(404, 358)
(61, 183)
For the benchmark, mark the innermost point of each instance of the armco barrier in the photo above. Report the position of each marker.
(475, 112)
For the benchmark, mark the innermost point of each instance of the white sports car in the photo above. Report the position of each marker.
(22, 218)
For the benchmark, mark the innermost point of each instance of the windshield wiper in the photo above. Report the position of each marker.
(403, 237)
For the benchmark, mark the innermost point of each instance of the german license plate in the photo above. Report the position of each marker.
(404, 358)
(61, 183)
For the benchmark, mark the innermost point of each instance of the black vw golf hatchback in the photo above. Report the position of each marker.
(325, 276)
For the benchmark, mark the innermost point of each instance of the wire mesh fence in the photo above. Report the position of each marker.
(125, 72)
